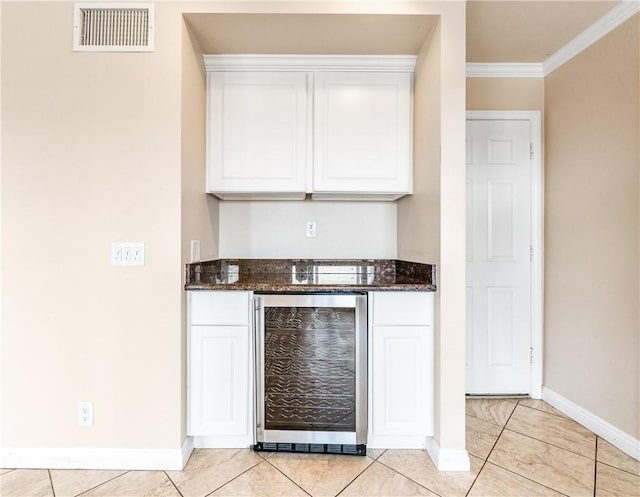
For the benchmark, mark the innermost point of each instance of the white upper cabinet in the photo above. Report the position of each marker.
(337, 127)
(257, 143)
(362, 134)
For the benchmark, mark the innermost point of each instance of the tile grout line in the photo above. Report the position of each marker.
(527, 478)
(566, 418)
(513, 472)
(287, 477)
(379, 455)
(562, 416)
(595, 466)
(619, 469)
(103, 483)
(410, 479)
(173, 483)
(53, 490)
(549, 443)
(374, 459)
(484, 463)
(611, 465)
(234, 478)
(476, 417)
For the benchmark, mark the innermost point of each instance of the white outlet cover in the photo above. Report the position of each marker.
(85, 413)
(195, 251)
(312, 231)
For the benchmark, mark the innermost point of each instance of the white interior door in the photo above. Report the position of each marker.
(498, 272)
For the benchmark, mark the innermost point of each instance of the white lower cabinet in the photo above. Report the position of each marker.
(400, 369)
(220, 369)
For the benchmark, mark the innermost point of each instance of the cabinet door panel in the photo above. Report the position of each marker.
(362, 132)
(402, 380)
(257, 132)
(219, 380)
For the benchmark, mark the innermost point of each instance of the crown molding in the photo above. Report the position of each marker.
(504, 70)
(378, 63)
(607, 23)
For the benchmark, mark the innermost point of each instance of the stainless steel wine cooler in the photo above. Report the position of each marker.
(311, 373)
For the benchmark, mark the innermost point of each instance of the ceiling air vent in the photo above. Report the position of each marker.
(113, 27)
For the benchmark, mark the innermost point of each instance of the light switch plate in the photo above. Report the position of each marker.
(312, 229)
(195, 251)
(127, 254)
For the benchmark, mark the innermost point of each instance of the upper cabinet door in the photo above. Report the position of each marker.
(362, 133)
(257, 139)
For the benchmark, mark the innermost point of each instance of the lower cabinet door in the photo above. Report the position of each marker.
(219, 380)
(402, 359)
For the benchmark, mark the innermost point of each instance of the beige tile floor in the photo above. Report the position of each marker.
(518, 448)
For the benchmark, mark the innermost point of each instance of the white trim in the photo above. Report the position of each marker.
(187, 450)
(607, 23)
(537, 217)
(77, 458)
(222, 441)
(447, 459)
(377, 63)
(504, 70)
(615, 436)
(395, 441)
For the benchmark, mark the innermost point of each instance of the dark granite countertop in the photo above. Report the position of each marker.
(311, 275)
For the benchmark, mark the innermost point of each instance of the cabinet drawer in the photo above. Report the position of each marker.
(402, 308)
(219, 308)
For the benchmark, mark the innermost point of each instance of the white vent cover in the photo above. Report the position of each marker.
(113, 27)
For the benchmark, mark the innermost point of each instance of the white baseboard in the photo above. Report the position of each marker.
(80, 458)
(447, 459)
(221, 442)
(395, 442)
(187, 450)
(615, 436)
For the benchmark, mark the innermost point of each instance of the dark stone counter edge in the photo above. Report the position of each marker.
(312, 288)
(390, 274)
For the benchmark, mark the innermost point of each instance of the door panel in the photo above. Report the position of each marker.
(498, 256)
(501, 220)
(501, 329)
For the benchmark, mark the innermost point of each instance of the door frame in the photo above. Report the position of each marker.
(537, 219)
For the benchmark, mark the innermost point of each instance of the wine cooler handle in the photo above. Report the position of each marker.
(258, 367)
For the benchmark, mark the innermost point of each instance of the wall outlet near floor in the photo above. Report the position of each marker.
(127, 254)
(85, 413)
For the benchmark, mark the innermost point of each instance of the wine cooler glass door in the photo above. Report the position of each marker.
(311, 368)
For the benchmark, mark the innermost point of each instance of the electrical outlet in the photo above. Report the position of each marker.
(311, 229)
(127, 254)
(85, 413)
